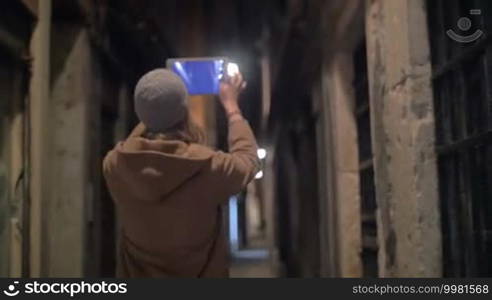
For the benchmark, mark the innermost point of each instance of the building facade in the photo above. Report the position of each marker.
(402, 137)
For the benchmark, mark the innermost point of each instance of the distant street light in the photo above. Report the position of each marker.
(262, 153)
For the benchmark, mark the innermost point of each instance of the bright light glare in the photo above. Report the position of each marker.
(261, 153)
(232, 69)
(259, 175)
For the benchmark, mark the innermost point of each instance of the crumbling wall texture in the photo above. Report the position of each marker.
(403, 137)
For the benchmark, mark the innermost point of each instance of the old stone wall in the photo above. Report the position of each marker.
(403, 139)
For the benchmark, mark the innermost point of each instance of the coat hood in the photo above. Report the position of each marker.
(153, 169)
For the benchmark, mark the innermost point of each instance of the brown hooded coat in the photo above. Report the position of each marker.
(168, 194)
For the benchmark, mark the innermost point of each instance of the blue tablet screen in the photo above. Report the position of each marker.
(200, 76)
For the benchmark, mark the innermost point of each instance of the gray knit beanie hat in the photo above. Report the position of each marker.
(160, 100)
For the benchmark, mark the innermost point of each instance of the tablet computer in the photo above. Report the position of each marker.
(202, 75)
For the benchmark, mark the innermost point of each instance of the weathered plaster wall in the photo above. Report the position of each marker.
(403, 138)
(58, 147)
(39, 127)
(71, 97)
(338, 160)
(346, 164)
